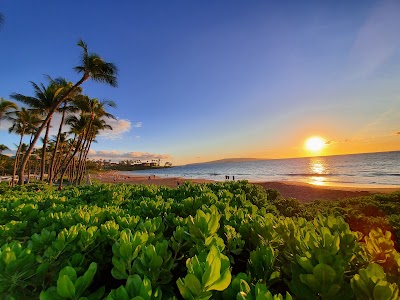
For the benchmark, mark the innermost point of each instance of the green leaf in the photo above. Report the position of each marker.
(212, 273)
(383, 291)
(65, 287)
(50, 294)
(185, 292)
(222, 283)
(325, 273)
(83, 282)
(70, 272)
(122, 294)
(145, 290)
(193, 284)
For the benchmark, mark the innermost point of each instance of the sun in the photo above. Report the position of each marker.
(315, 144)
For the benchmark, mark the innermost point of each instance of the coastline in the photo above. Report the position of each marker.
(303, 192)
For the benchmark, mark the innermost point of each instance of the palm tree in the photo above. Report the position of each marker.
(42, 103)
(78, 128)
(3, 148)
(6, 106)
(97, 125)
(68, 107)
(92, 67)
(24, 122)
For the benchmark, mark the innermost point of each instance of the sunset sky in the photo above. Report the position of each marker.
(206, 80)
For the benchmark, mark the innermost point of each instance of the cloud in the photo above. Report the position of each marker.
(115, 155)
(397, 133)
(5, 124)
(120, 126)
(138, 125)
(330, 142)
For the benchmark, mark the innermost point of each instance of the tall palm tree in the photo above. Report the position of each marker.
(79, 127)
(43, 101)
(68, 107)
(6, 106)
(24, 122)
(97, 125)
(3, 148)
(92, 67)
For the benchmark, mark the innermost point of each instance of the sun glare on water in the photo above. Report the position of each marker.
(315, 144)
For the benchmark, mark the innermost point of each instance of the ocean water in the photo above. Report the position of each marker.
(372, 169)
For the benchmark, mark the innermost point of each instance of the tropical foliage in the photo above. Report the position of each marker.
(66, 154)
(212, 241)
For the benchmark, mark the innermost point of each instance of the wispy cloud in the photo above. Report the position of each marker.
(120, 126)
(118, 155)
(4, 125)
(138, 125)
(397, 133)
(377, 40)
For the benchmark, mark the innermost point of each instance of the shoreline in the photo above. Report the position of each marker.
(303, 192)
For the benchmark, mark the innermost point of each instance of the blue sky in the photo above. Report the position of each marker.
(204, 80)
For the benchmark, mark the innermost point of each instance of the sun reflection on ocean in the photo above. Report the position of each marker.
(317, 168)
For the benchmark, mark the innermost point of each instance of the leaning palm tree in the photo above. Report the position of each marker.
(79, 128)
(92, 67)
(68, 107)
(3, 148)
(97, 125)
(6, 106)
(44, 99)
(23, 122)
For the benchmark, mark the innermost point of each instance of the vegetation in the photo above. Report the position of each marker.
(62, 156)
(230, 240)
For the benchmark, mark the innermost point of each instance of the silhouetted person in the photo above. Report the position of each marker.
(233, 177)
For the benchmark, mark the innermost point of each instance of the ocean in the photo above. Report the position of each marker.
(371, 169)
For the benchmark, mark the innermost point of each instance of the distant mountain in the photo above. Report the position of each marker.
(240, 159)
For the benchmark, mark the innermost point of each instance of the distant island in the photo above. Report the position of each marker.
(224, 160)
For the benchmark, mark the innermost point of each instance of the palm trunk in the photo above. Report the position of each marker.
(43, 162)
(80, 161)
(83, 166)
(44, 124)
(78, 146)
(53, 158)
(16, 159)
(62, 160)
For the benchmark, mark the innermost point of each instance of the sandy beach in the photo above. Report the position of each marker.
(289, 189)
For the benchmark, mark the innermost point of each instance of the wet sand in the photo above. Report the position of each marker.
(289, 189)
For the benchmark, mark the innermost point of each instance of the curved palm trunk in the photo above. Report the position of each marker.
(43, 162)
(16, 159)
(44, 124)
(63, 160)
(53, 158)
(78, 146)
(82, 167)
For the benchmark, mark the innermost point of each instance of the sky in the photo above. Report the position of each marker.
(207, 80)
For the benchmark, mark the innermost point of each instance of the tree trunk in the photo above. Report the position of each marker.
(40, 129)
(53, 158)
(83, 168)
(16, 159)
(43, 162)
(78, 146)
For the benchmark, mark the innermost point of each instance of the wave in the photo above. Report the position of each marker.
(385, 174)
(311, 174)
